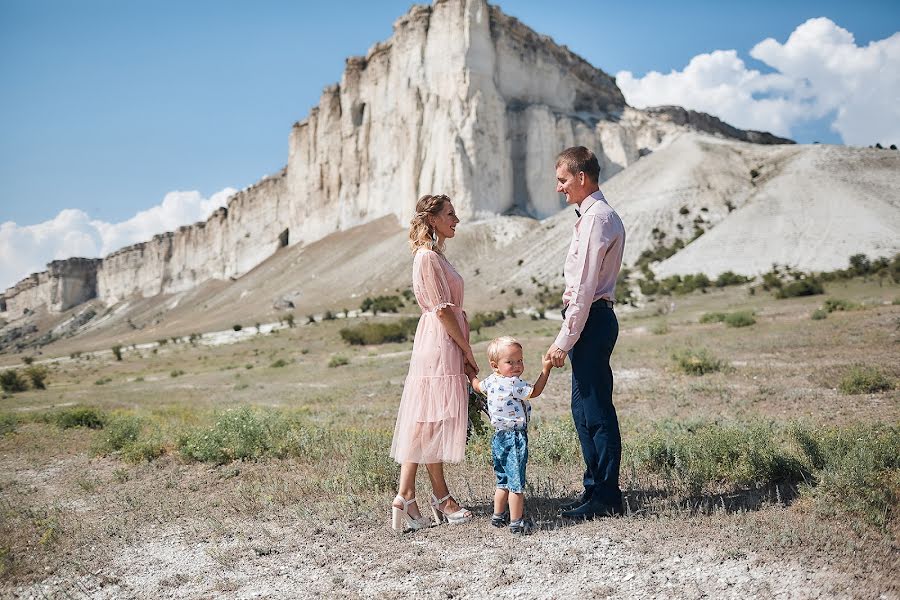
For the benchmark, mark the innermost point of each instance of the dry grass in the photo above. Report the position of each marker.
(74, 498)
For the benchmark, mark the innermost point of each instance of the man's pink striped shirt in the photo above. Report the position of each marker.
(592, 265)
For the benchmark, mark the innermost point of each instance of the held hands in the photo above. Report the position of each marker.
(556, 356)
(546, 363)
(470, 363)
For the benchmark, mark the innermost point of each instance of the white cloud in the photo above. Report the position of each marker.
(28, 249)
(820, 71)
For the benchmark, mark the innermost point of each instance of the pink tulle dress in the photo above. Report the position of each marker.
(431, 422)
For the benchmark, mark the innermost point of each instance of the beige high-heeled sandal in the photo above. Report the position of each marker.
(401, 520)
(454, 518)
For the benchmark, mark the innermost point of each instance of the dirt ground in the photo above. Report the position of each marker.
(84, 526)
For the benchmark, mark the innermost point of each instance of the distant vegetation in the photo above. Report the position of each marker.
(383, 304)
(380, 333)
(781, 281)
(697, 361)
(865, 380)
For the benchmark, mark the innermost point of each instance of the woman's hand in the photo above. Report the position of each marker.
(470, 360)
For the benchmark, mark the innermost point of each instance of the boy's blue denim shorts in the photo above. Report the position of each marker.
(509, 449)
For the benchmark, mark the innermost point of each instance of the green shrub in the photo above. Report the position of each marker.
(38, 375)
(11, 381)
(79, 416)
(382, 304)
(730, 278)
(379, 333)
(338, 361)
(865, 380)
(740, 319)
(706, 457)
(661, 328)
(8, 423)
(713, 317)
(556, 442)
(27, 359)
(489, 319)
(117, 351)
(103, 381)
(118, 432)
(176, 373)
(288, 319)
(803, 287)
(854, 470)
(276, 365)
(697, 362)
(819, 314)
(833, 304)
(237, 327)
(239, 434)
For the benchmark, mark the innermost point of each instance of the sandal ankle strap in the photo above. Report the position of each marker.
(405, 502)
(435, 501)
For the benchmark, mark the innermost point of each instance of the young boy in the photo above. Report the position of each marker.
(510, 411)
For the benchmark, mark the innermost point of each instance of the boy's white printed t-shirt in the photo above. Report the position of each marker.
(507, 401)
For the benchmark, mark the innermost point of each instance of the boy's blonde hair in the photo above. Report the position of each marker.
(497, 344)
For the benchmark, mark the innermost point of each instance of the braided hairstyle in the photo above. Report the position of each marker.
(421, 233)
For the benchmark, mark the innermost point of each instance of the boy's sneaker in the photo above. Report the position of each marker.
(500, 520)
(521, 527)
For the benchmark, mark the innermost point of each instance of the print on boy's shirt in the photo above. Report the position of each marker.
(507, 402)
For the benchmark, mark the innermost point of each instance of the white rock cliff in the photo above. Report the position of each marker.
(461, 99)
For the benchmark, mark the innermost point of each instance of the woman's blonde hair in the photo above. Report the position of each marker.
(421, 233)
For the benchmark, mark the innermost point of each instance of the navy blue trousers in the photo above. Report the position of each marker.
(592, 408)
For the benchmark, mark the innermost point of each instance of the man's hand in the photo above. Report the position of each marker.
(556, 355)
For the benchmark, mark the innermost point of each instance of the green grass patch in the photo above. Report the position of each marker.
(740, 319)
(77, 416)
(865, 380)
(380, 333)
(713, 317)
(12, 381)
(8, 423)
(819, 314)
(338, 361)
(804, 287)
(660, 328)
(697, 361)
(834, 304)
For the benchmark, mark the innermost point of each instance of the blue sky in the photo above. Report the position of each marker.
(108, 105)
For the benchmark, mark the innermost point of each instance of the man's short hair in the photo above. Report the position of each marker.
(579, 158)
(498, 344)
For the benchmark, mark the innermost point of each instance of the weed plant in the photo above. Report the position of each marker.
(12, 381)
(865, 380)
(78, 416)
(833, 304)
(740, 319)
(366, 334)
(697, 361)
(37, 374)
(8, 423)
(338, 361)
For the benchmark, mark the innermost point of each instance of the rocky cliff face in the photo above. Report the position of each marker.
(65, 283)
(461, 100)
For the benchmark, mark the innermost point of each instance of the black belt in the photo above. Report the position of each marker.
(601, 303)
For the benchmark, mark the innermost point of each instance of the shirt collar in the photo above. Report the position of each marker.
(588, 202)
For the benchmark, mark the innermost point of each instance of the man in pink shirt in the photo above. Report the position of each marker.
(589, 331)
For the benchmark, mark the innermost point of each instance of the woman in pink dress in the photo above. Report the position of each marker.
(431, 422)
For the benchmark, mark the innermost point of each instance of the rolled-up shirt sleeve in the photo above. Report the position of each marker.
(592, 247)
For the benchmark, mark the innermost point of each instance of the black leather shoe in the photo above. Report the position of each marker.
(583, 498)
(590, 510)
